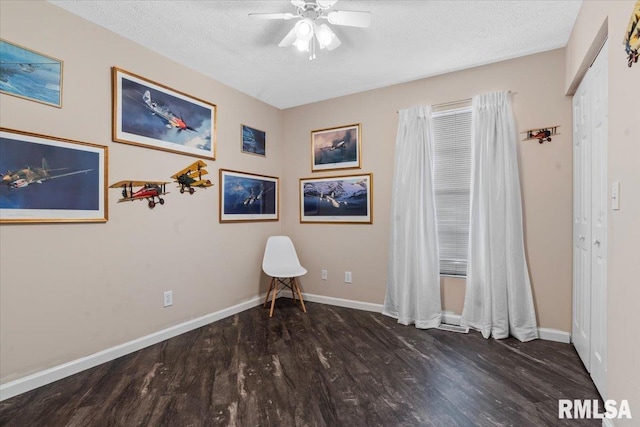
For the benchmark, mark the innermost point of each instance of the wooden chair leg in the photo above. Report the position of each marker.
(273, 303)
(271, 286)
(291, 285)
(295, 282)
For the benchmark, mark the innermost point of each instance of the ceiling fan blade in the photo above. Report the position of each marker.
(349, 18)
(289, 38)
(298, 3)
(285, 16)
(326, 4)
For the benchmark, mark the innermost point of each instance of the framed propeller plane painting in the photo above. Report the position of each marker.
(248, 197)
(28, 74)
(336, 148)
(338, 199)
(152, 115)
(49, 179)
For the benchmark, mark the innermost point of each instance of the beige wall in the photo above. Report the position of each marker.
(623, 292)
(68, 291)
(546, 171)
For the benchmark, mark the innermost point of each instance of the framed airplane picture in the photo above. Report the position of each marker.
(152, 115)
(254, 141)
(49, 179)
(248, 197)
(336, 148)
(338, 199)
(28, 74)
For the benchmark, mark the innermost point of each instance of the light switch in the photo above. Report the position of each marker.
(615, 196)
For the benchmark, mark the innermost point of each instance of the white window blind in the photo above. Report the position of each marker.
(452, 185)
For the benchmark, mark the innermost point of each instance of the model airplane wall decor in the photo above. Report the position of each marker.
(150, 190)
(191, 176)
(541, 134)
(35, 175)
(632, 36)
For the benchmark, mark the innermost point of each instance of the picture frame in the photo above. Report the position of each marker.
(152, 115)
(246, 197)
(336, 148)
(346, 199)
(254, 141)
(30, 75)
(51, 179)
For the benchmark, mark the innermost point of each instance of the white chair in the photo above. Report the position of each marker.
(281, 263)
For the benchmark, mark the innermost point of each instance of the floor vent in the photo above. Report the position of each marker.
(454, 328)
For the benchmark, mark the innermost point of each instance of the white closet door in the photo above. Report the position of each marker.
(590, 107)
(581, 325)
(599, 205)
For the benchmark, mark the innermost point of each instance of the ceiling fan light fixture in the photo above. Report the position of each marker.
(304, 29)
(302, 45)
(325, 36)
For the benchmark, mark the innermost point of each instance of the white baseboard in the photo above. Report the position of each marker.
(556, 335)
(47, 376)
(358, 305)
(448, 317)
(38, 379)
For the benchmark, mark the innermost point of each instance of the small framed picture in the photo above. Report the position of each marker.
(28, 74)
(339, 199)
(336, 148)
(49, 179)
(152, 115)
(254, 141)
(248, 197)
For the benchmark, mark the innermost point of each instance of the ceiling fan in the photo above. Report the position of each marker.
(308, 31)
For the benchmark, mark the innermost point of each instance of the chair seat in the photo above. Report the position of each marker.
(286, 272)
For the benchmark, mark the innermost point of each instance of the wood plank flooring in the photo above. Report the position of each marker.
(330, 367)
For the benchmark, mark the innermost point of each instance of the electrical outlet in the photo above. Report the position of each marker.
(324, 274)
(347, 277)
(168, 298)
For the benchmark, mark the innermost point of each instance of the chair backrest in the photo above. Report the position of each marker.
(280, 256)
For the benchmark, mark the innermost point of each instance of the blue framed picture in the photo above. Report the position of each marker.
(152, 115)
(28, 74)
(254, 141)
(248, 197)
(338, 199)
(51, 179)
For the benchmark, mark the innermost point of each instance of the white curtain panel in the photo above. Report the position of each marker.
(413, 284)
(498, 300)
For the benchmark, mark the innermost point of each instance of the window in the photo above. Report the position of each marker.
(452, 131)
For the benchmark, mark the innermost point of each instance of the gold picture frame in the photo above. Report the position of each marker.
(152, 115)
(346, 199)
(336, 148)
(248, 197)
(51, 179)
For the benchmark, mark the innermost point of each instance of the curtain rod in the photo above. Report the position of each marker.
(461, 101)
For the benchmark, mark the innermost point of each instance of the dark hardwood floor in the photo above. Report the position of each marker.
(330, 367)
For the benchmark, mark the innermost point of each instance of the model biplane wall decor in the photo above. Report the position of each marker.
(541, 134)
(149, 190)
(632, 36)
(191, 177)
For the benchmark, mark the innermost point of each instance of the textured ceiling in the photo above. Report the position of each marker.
(407, 40)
